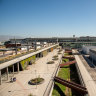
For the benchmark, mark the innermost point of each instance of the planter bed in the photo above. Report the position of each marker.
(36, 81)
(50, 62)
(59, 53)
(55, 59)
(55, 56)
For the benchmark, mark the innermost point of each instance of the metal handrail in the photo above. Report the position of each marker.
(51, 82)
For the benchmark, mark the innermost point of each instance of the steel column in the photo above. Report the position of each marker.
(13, 70)
(0, 78)
(7, 73)
(18, 67)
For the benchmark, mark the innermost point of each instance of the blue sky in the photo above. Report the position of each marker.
(48, 18)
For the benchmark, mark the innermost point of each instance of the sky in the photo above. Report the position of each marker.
(48, 18)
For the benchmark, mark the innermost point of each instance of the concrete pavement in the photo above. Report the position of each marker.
(89, 82)
(21, 86)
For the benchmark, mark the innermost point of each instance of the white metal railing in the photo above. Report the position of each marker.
(50, 85)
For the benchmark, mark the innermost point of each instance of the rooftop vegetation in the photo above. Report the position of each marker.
(50, 62)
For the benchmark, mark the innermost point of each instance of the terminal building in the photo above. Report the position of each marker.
(56, 39)
(86, 48)
(75, 42)
(93, 54)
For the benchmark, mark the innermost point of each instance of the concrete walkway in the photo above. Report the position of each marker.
(89, 82)
(21, 86)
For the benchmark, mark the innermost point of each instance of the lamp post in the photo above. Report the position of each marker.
(36, 77)
(47, 65)
(92, 60)
(15, 45)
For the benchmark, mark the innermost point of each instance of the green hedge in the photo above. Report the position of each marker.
(24, 63)
(44, 53)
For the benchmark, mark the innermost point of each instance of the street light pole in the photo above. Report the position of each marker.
(36, 78)
(92, 59)
(15, 46)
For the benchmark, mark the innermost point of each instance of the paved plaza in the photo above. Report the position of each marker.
(21, 86)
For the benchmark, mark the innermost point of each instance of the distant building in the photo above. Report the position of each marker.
(93, 54)
(12, 45)
(86, 48)
(73, 36)
(54, 39)
(87, 39)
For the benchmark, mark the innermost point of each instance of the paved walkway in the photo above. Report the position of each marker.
(89, 82)
(90, 67)
(21, 86)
